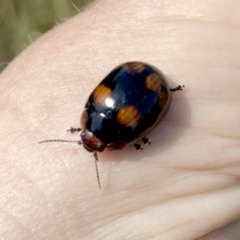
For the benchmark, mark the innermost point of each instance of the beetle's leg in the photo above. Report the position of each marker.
(146, 140)
(138, 146)
(179, 87)
(73, 130)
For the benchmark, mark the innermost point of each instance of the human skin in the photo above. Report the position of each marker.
(185, 185)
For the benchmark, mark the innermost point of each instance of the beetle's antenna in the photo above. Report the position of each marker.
(96, 166)
(61, 140)
(78, 142)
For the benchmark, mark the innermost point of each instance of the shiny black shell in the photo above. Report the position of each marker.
(125, 106)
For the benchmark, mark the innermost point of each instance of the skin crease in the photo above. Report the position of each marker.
(185, 185)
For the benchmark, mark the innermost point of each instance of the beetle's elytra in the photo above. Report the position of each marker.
(124, 107)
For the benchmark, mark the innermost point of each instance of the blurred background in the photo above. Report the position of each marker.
(22, 21)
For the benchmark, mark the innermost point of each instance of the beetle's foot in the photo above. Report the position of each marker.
(146, 140)
(73, 130)
(138, 146)
(179, 87)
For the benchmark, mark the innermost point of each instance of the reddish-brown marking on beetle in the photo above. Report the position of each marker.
(101, 93)
(91, 142)
(117, 145)
(153, 82)
(163, 98)
(128, 116)
(135, 67)
(83, 118)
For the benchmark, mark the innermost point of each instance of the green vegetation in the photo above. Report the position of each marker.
(22, 21)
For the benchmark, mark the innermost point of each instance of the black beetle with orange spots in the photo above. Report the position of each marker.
(121, 111)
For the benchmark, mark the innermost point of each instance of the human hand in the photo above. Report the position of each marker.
(185, 185)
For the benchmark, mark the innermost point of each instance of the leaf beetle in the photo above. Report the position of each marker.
(123, 108)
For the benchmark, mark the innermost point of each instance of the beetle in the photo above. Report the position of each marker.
(123, 108)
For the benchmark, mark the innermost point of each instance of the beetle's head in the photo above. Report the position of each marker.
(91, 142)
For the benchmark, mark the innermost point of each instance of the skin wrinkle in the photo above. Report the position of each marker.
(165, 231)
(142, 206)
(222, 234)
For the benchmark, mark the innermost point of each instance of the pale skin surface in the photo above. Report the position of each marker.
(184, 186)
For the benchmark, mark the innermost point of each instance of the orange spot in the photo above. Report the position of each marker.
(137, 67)
(101, 93)
(134, 67)
(153, 82)
(128, 116)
